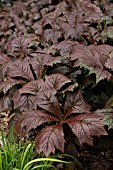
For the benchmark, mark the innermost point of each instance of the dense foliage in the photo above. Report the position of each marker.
(57, 69)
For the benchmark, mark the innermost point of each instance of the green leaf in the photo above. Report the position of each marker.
(43, 159)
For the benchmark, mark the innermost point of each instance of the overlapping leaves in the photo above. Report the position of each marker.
(84, 126)
(56, 42)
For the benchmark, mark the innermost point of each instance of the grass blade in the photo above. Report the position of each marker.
(44, 159)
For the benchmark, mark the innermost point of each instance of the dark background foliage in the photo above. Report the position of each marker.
(56, 81)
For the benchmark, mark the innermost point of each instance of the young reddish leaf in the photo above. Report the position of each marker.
(56, 81)
(24, 102)
(85, 126)
(6, 85)
(49, 139)
(35, 118)
(20, 69)
(32, 87)
(48, 101)
(75, 103)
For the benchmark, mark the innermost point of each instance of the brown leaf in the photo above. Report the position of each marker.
(35, 118)
(6, 85)
(48, 101)
(20, 69)
(85, 126)
(32, 87)
(24, 102)
(75, 103)
(50, 138)
(55, 81)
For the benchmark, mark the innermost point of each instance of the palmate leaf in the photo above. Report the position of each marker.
(24, 102)
(85, 126)
(39, 59)
(49, 138)
(35, 118)
(20, 69)
(6, 85)
(92, 58)
(48, 101)
(75, 26)
(75, 103)
(55, 81)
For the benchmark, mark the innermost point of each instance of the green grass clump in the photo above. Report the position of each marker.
(21, 155)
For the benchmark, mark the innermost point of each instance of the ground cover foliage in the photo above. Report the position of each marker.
(57, 75)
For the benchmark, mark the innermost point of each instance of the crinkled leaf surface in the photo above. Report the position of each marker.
(76, 103)
(19, 47)
(85, 126)
(20, 69)
(40, 59)
(92, 58)
(6, 85)
(48, 101)
(51, 35)
(64, 47)
(35, 118)
(32, 87)
(24, 102)
(50, 137)
(56, 81)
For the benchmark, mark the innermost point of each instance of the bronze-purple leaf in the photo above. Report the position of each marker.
(39, 59)
(5, 103)
(64, 47)
(48, 101)
(20, 69)
(4, 59)
(85, 126)
(6, 85)
(35, 118)
(24, 102)
(76, 103)
(56, 81)
(19, 47)
(32, 87)
(51, 35)
(49, 139)
(92, 58)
